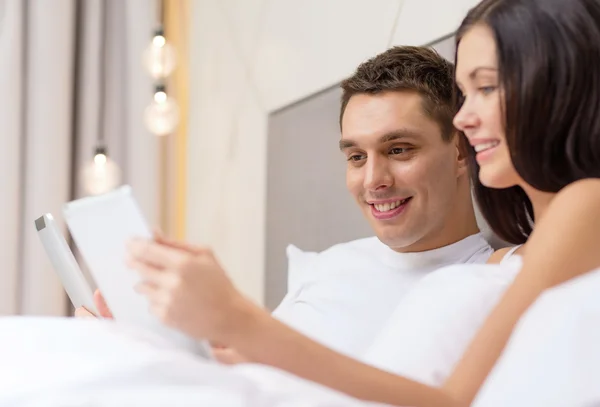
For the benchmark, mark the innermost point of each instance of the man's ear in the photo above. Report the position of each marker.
(460, 143)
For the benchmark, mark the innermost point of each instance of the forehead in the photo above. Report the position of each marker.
(368, 117)
(477, 48)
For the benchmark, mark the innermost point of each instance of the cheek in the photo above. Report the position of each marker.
(439, 180)
(406, 173)
(354, 181)
(427, 171)
(499, 173)
(492, 120)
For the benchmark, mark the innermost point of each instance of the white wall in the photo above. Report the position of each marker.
(251, 57)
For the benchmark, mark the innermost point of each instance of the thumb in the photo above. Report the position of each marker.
(101, 305)
(175, 244)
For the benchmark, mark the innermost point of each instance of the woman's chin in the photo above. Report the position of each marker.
(492, 178)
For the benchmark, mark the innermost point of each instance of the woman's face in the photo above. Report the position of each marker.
(480, 116)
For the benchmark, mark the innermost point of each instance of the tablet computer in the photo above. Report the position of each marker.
(63, 261)
(101, 226)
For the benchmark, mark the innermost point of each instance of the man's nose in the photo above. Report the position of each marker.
(377, 174)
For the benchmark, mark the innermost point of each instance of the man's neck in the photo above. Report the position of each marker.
(459, 224)
(442, 239)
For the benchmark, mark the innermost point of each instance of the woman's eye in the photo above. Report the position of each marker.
(487, 89)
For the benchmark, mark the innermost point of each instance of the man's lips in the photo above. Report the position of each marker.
(388, 209)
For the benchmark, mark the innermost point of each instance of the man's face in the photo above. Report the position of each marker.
(401, 172)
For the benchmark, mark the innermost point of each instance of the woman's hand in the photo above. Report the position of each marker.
(228, 356)
(188, 290)
(186, 287)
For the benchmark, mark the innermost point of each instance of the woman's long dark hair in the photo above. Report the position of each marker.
(549, 69)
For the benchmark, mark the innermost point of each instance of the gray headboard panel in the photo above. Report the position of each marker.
(307, 201)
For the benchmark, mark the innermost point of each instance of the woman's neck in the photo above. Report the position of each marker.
(539, 200)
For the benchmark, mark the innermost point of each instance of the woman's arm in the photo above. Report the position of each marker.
(189, 290)
(268, 341)
(564, 245)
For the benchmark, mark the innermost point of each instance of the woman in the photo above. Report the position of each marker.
(528, 74)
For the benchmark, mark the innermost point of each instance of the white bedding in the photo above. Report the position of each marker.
(68, 362)
(553, 359)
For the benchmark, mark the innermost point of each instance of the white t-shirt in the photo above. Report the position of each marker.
(356, 286)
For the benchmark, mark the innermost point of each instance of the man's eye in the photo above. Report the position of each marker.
(398, 150)
(355, 157)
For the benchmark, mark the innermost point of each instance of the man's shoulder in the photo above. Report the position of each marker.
(364, 247)
(311, 266)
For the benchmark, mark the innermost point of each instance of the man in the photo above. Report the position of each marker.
(406, 173)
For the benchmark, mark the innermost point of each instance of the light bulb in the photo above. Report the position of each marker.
(160, 57)
(160, 96)
(162, 115)
(100, 175)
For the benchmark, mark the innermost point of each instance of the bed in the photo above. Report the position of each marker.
(552, 359)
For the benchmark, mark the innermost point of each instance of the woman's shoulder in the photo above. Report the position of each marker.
(586, 189)
(498, 255)
(578, 200)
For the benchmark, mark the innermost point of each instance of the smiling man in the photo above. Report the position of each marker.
(406, 173)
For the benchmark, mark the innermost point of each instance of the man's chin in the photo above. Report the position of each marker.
(397, 242)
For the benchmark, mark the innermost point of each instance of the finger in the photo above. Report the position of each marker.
(153, 253)
(217, 345)
(228, 356)
(156, 296)
(101, 305)
(157, 233)
(148, 290)
(150, 274)
(83, 312)
(175, 244)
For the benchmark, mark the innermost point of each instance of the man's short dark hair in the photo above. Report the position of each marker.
(406, 68)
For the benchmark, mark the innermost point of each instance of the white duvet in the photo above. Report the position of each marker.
(553, 359)
(68, 362)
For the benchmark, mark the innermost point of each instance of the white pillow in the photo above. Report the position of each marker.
(300, 267)
(434, 324)
(553, 356)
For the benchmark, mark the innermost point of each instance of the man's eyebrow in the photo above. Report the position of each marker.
(344, 144)
(398, 135)
(386, 138)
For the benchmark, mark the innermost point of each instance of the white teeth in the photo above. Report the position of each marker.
(388, 206)
(486, 146)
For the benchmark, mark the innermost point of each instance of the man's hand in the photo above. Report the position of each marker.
(100, 306)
